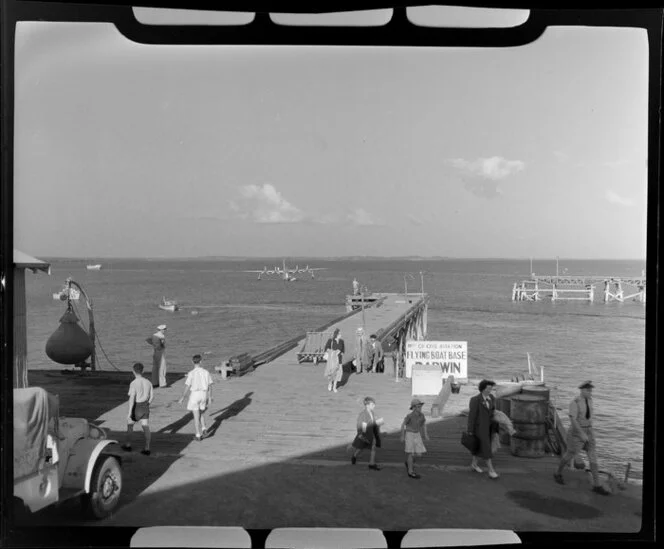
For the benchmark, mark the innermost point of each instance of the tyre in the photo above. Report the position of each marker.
(21, 512)
(105, 488)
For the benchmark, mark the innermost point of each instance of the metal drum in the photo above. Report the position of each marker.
(528, 414)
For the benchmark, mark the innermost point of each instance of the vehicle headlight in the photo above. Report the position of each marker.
(96, 432)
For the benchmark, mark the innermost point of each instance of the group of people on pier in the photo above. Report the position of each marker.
(369, 356)
(483, 419)
(197, 385)
(483, 424)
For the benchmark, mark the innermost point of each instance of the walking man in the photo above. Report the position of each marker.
(580, 436)
(140, 398)
(377, 364)
(158, 342)
(198, 384)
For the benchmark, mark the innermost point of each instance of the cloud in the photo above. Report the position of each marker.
(264, 204)
(615, 198)
(495, 167)
(362, 217)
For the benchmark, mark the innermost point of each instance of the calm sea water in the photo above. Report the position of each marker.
(225, 312)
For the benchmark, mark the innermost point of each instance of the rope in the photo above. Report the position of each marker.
(108, 359)
(97, 338)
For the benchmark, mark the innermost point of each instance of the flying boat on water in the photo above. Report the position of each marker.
(286, 274)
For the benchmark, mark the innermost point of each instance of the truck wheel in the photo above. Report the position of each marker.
(105, 489)
(21, 511)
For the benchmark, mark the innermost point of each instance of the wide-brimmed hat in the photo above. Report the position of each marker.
(161, 327)
(586, 385)
(416, 402)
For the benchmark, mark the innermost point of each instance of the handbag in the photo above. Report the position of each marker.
(470, 441)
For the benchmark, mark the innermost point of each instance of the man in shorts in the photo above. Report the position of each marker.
(580, 436)
(140, 397)
(198, 384)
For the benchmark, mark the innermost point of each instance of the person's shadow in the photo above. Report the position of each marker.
(178, 424)
(230, 411)
(347, 370)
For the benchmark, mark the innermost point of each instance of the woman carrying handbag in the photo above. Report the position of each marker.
(481, 427)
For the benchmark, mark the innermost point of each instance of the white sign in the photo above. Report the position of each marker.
(426, 380)
(450, 356)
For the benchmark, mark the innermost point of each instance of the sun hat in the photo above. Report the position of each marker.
(161, 327)
(416, 402)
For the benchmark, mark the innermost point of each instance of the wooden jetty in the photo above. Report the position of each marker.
(578, 288)
(277, 454)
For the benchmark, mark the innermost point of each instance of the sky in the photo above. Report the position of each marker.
(131, 150)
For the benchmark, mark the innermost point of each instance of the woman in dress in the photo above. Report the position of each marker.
(334, 348)
(368, 433)
(482, 407)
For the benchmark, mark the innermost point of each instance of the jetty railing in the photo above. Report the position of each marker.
(579, 288)
(275, 352)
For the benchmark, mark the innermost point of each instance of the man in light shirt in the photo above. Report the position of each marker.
(198, 384)
(140, 397)
(580, 436)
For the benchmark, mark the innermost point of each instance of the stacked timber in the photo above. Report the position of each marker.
(241, 364)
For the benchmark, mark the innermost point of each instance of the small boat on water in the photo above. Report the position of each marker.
(94, 267)
(169, 305)
(74, 294)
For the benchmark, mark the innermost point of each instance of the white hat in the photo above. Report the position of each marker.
(161, 327)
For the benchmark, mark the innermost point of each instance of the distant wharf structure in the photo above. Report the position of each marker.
(579, 288)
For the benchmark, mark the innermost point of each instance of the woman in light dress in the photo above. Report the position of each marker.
(334, 349)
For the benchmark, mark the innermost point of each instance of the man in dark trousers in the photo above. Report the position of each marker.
(377, 364)
(580, 436)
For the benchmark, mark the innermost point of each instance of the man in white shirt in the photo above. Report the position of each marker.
(198, 383)
(580, 436)
(140, 397)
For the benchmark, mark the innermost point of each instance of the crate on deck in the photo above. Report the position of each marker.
(313, 349)
(237, 365)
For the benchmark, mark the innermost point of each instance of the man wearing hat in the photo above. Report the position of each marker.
(158, 342)
(580, 436)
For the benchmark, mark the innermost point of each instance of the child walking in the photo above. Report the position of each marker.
(198, 384)
(140, 397)
(412, 429)
(368, 433)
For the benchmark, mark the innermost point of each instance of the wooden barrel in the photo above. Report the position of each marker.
(527, 448)
(528, 408)
(540, 390)
(504, 405)
(528, 414)
(530, 431)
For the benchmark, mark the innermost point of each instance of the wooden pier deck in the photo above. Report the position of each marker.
(277, 457)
